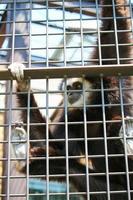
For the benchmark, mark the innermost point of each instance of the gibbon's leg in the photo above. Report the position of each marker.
(77, 174)
(36, 131)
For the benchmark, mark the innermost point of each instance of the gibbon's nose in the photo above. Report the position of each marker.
(73, 97)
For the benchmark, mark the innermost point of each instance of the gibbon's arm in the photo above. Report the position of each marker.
(121, 15)
(116, 27)
(36, 131)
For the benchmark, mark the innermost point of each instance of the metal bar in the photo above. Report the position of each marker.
(28, 143)
(10, 106)
(9, 143)
(56, 72)
(66, 140)
(59, 63)
(81, 34)
(86, 144)
(61, 47)
(105, 140)
(64, 34)
(47, 34)
(115, 30)
(28, 108)
(47, 140)
(131, 16)
(98, 33)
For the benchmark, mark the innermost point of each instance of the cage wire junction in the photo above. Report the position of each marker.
(55, 41)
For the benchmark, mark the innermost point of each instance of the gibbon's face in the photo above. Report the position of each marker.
(77, 90)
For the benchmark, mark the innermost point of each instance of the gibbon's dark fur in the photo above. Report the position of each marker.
(77, 147)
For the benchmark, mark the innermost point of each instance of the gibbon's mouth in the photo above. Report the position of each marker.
(73, 97)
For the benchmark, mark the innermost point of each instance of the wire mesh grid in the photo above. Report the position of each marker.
(68, 128)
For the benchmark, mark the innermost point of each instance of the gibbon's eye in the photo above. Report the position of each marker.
(69, 87)
(77, 85)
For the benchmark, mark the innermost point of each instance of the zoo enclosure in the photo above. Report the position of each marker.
(54, 40)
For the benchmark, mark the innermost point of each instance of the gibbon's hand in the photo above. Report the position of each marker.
(17, 71)
(19, 140)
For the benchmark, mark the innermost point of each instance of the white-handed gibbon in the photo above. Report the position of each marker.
(115, 49)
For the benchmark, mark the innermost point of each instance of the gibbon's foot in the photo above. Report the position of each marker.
(128, 135)
(122, 7)
(19, 139)
(35, 165)
(17, 71)
(41, 151)
(37, 152)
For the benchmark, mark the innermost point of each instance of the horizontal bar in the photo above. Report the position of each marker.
(60, 72)
(69, 33)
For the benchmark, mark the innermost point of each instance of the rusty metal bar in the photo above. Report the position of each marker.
(55, 72)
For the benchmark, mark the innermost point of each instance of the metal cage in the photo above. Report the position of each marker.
(55, 40)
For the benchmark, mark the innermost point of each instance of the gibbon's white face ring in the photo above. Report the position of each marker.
(83, 94)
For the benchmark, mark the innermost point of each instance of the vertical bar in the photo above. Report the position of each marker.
(66, 137)
(115, 30)
(9, 142)
(47, 87)
(27, 142)
(84, 108)
(13, 31)
(64, 32)
(105, 140)
(28, 108)
(15, 12)
(47, 49)
(81, 34)
(86, 142)
(30, 23)
(10, 104)
(98, 33)
(47, 140)
(65, 104)
(131, 16)
(124, 139)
